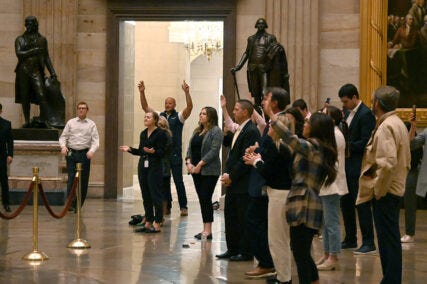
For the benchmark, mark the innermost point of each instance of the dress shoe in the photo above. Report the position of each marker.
(328, 265)
(365, 249)
(199, 236)
(184, 212)
(241, 257)
(259, 272)
(348, 245)
(224, 255)
(7, 208)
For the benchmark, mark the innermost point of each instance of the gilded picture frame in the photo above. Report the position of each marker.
(376, 57)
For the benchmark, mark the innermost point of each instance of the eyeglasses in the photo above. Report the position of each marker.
(82, 108)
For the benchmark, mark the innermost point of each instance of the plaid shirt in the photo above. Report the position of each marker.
(303, 205)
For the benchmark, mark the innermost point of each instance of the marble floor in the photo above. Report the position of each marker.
(118, 255)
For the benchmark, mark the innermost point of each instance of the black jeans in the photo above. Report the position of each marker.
(410, 201)
(205, 187)
(386, 216)
(72, 160)
(301, 239)
(257, 228)
(4, 181)
(364, 212)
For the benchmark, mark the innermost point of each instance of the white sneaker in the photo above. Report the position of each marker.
(407, 239)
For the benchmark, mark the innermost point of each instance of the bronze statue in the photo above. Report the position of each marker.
(267, 63)
(31, 84)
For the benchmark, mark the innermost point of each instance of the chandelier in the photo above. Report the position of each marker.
(203, 38)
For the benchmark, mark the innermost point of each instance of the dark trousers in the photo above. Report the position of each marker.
(386, 215)
(235, 222)
(151, 180)
(410, 201)
(301, 239)
(72, 161)
(205, 187)
(4, 181)
(167, 195)
(364, 212)
(257, 228)
(179, 183)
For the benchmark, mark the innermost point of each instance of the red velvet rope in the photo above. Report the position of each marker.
(67, 203)
(22, 206)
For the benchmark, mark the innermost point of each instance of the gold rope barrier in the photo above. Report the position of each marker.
(78, 243)
(35, 255)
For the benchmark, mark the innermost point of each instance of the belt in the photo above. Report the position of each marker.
(79, 151)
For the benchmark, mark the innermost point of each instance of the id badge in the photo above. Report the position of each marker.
(145, 163)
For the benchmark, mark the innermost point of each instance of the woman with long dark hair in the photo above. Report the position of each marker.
(204, 165)
(313, 166)
(331, 195)
(295, 116)
(152, 143)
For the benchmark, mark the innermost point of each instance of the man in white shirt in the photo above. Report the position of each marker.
(78, 142)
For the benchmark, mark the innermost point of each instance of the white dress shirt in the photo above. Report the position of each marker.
(80, 134)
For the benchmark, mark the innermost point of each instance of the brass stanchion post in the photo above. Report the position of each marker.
(35, 255)
(78, 243)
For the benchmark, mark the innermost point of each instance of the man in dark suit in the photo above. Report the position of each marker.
(361, 122)
(6, 157)
(236, 179)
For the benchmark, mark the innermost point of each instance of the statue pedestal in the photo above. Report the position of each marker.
(46, 155)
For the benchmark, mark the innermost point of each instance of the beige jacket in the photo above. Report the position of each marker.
(386, 160)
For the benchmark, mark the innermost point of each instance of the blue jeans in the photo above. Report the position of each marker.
(386, 216)
(331, 223)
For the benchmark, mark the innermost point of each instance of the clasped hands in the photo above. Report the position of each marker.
(191, 169)
(250, 156)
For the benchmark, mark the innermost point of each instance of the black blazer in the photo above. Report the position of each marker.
(6, 139)
(157, 140)
(359, 132)
(235, 166)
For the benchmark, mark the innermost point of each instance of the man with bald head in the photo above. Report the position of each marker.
(176, 123)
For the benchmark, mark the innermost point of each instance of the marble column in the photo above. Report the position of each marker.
(295, 23)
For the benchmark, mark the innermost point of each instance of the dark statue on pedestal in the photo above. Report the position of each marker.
(31, 85)
(267, 63)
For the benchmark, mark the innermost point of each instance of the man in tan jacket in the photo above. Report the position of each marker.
(385, 165)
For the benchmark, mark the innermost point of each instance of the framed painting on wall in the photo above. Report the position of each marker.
(394, 51)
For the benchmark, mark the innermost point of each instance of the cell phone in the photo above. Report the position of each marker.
(414, 111)
(328, 100)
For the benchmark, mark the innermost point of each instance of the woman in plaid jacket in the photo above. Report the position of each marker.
(313, 166)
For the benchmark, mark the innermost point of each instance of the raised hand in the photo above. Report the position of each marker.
(141, 86)
(185, 87)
